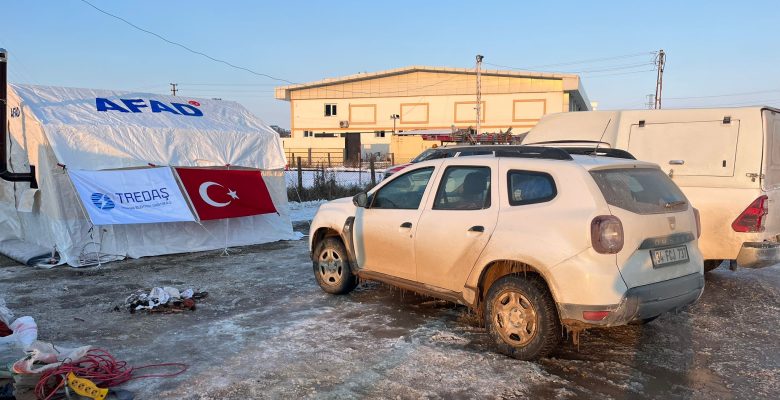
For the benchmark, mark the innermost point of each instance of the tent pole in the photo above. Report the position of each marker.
(5, 174)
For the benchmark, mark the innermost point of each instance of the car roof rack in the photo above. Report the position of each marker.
(602, 152)
(550, 153)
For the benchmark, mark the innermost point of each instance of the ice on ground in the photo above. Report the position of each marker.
(304, 211)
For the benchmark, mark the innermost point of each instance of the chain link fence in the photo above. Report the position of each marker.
(323, 182)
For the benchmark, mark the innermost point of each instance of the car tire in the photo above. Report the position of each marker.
(709, 265)
(521, 318)
(331, 267)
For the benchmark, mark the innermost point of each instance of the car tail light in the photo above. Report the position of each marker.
(752, 219)
(606, 234)
(698, 222)
(594, 315)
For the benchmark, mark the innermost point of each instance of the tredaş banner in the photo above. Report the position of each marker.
(135, 196)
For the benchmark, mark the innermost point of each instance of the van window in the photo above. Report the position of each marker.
(640, 190)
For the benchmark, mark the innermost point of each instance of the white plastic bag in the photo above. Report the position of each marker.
(49, 355)
(25, 332)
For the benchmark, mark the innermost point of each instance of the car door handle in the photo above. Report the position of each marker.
(477, 228)
(676, 162)
(407, 225)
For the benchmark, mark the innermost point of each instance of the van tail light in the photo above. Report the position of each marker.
(752, 219)
(698, 222)
(606, 234)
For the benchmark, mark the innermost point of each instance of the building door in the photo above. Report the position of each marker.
(352, 148)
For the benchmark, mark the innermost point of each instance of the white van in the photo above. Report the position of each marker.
(726, 161)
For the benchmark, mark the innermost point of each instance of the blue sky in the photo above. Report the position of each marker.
(714, 48)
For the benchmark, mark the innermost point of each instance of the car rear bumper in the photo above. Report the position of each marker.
(641, 302)
(758, 254)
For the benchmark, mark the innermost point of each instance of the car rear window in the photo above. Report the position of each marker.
(640, 190)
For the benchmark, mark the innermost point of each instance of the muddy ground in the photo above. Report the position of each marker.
(268, 331)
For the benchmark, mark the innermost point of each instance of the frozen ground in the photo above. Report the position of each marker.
(268, 331)
(303, 211)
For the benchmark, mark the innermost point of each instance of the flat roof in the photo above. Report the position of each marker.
(425, 68)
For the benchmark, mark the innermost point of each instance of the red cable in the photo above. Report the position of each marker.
(100, 367)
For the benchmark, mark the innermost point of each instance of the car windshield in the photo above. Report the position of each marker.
(640, 190)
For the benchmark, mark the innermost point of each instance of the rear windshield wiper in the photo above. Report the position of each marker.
(673, 204)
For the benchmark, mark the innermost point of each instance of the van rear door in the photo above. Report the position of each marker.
(770, 181)
(700, 148)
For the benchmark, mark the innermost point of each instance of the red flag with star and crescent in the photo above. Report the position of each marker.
(223, 193)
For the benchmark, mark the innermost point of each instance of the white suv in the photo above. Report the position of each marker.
(531, 238)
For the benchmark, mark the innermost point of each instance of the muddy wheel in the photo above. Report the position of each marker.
(709, 265)
(521, 318)
(331, 267)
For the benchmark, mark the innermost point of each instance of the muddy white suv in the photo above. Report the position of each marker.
(532, 239)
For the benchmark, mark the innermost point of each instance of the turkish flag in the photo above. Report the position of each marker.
(223, 193)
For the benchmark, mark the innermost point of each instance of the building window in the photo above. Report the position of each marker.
(308, 133)
(330, 110)
(379, 134)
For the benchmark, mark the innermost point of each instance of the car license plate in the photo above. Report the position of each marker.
(669, 256)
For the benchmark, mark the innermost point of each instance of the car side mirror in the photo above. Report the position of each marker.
(360, 200)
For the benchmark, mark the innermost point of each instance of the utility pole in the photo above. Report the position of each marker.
(660, 61)
(173, 88)
(394, 117)
(479, 92)
(650, 102)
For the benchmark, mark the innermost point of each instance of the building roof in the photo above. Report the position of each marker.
(571, 82)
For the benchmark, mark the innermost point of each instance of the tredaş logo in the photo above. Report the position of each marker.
(102, 201)
(156, 106)
(133, 200)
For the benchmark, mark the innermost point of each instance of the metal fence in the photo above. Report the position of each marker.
(333, 157)
(320, 182)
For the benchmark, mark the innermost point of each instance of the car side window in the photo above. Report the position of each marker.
(404, 192)
(529, 187)
(463, 188)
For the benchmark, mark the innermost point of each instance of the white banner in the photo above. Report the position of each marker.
(136, 196)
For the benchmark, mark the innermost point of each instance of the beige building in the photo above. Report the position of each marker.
(356, 115)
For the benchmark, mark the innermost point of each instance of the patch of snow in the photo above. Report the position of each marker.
(303, 211)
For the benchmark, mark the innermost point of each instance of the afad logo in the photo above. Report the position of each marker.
(135, 105)
(102, 201)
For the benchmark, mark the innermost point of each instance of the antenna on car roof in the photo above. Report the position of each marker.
(601, 138)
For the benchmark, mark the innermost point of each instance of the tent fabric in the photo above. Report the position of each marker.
(82, 137)
(57, 129)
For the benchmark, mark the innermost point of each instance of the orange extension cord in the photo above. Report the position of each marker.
(100, 367)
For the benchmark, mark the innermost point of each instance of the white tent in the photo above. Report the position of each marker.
(62, 129)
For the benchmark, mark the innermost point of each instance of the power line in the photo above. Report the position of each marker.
(723, 95)
(228, 84)
(620, 73)
(588, 61)
(183, 46)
